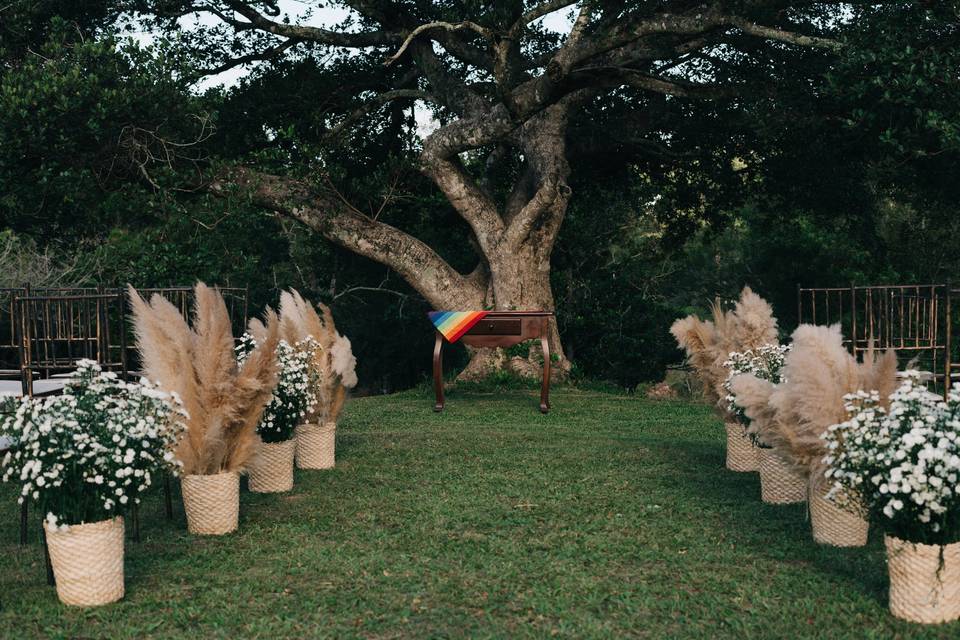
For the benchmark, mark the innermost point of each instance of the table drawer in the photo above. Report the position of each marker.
(495, 328)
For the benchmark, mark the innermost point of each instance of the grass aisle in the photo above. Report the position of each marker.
(610, 517)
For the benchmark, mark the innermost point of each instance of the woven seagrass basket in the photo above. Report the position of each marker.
(273, 472)
(212, 503)
(779, 484)
(87, 562)
(741, 452)
(316, 445)
(832, 524)
(921, 589)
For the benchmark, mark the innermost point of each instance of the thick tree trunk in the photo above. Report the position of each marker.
(517, 243)
(520, 281)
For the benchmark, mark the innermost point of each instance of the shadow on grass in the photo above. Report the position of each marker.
(787, 536)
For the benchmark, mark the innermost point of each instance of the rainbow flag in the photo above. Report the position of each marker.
(453, 324)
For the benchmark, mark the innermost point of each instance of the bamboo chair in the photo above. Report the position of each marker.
(913, 320)
(236, 299)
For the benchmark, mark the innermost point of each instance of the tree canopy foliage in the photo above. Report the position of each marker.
(764, 158)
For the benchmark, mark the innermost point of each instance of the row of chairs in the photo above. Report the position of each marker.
(918, 321)
(45, 331)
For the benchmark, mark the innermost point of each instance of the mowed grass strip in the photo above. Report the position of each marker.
(610, 517)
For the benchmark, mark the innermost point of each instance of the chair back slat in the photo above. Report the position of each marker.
(44, 331)
(182, 298)
(55, 331)
(9, 356)
(915, 319)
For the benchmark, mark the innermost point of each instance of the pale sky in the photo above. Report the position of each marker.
(559, 21)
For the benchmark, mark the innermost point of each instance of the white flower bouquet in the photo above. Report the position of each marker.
(903, 465)
(764, 362)
(90, 453)
(294, 396)
(84, 458)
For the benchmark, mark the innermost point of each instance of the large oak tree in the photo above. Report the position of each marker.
(513, 100)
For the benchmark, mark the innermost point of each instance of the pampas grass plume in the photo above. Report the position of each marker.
(334, 362)
(818, 373)
(224, 402)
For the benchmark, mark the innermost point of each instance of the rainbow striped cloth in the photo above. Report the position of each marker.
(453, 324)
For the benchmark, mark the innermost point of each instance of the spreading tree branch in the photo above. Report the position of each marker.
(523, 222)
(302, 32)
(449, 26)
(772, 33)
(375, 103)
(538, 12)
(696, 22)
(451, 90)
(618, 76)
(470, 201)
(266, 54)
(344, 225)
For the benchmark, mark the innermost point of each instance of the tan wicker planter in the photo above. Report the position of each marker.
(212, 503)
(316, 445)
(741, 454)
(921, 589)
(87, 562)
(273, 472)
(779, 484)
(834, 525)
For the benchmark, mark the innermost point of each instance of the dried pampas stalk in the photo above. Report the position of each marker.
(708, 344)
(879, 373)
(725, 323)
(343, 361)
(338, 396)
(726, 343)
(256, 329)
(166, 348)
(253, 388)
(334, 361)
(699, 340)
(747, 327)
(224, 402)
(753, 324)
(818, 372)
(752, 394)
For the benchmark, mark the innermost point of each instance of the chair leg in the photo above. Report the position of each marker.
(438, 372)
(135, 516)
(46, 558)
(167, 499)
(23, 523)
(545, 385)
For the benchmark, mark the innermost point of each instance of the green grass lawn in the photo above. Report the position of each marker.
(612, 516)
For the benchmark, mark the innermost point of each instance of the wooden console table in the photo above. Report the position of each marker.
(501, 329)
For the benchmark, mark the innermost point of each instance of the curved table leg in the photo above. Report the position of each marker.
(545, 386)
(438, 372)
